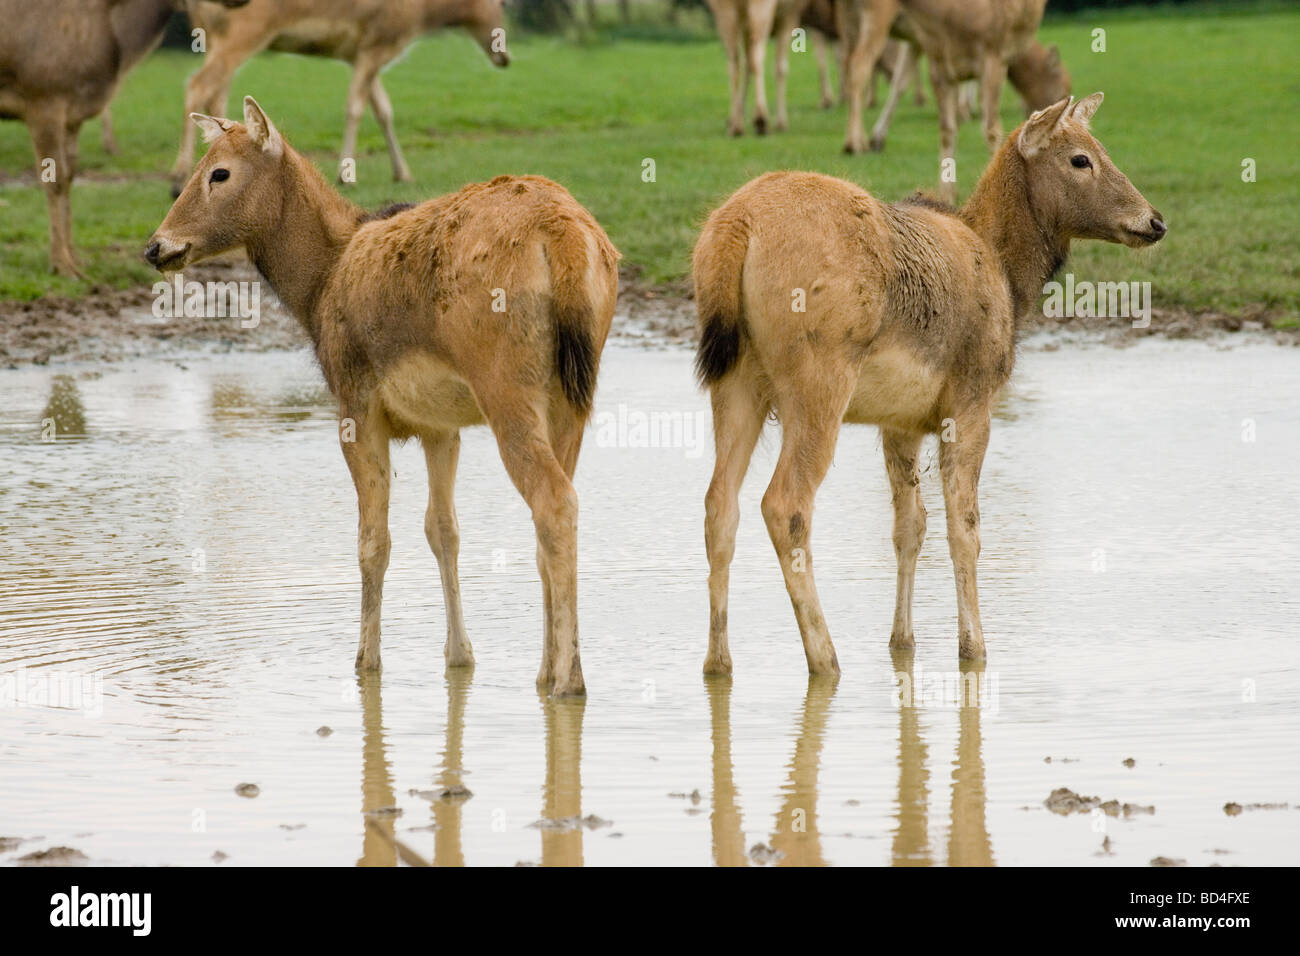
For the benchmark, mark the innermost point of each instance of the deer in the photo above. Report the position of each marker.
(744, 27)
(61, 62)
(490, 305)
(821, 305)
(962, 39)
(367, 34)
(820, 16)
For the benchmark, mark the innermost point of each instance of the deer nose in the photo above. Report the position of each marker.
(1158, 227)
(151, 253)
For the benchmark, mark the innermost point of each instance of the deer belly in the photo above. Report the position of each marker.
(320, 37)
(422, 394)
(897, 390)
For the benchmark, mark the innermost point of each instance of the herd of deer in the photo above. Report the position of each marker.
(492, 305)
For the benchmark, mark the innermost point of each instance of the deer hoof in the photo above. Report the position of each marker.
(877, 144)
(760, 125)
(717, 666)
(901, 642)
(970, 648)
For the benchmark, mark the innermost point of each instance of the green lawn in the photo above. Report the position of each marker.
(1188, 97)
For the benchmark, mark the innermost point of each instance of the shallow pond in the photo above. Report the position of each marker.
(179, 600)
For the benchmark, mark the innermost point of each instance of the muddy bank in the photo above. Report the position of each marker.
(117, 324)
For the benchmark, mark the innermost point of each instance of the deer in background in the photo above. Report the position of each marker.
(487, 306)
(962, 40)
(61, 62)
(909, 323)
(368, 34)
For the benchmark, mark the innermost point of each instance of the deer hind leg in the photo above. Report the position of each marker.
(761, 15)
(945, 94)
(960, 461)
(898, 81)
(383, 108)
(864, 40)
(823, 70)
(807, 447)
(733, 38)
(367, 459)
(441, 454)
(738, 416)
(50, 133)
(784, 32)
(204, 93)
(107, 139)
(542, 481)
(991, 79)
(901, 453)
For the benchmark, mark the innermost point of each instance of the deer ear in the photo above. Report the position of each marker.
(211, 126)
(1053, 56)
(260, 128)
(1085, 108)
(1038, 128)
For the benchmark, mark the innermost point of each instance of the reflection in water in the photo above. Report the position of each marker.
(377, 847)
(796, 837)
(447, 849)
(65, 413)
(562, 795)
(968, 837)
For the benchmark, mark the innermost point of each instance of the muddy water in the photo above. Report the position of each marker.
(177, 574)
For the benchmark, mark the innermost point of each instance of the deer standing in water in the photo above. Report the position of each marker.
(909, 323)
(487, 306)
(368, 34)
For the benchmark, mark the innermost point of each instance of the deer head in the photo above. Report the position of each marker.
(1039, 77)
(1074, 187)
(233, 195)
(485, 21)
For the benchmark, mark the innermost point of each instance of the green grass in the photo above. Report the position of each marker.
(1187, 98)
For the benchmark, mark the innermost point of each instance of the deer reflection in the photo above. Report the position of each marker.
(377, 846)
(561, 822)
(64, 414)
(795, 838)
(968, 837)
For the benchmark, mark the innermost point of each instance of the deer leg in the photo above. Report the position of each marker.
(897, 87)
(729, 30)
(864, 42)
(784, 32)
(441, 454)
(383, 109)
(945, 94)
(901, 452)
(106, 136)
(761, 15)
(541, 480)
(807, 447)
(204, 93)
(994, 73)
(50, 141)
(823, 70)
(367, 459)
(364, 73)
(737, 422)
(914, 80)
(960, 461)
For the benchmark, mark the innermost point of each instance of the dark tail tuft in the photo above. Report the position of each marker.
(575, 358)
(719, 348)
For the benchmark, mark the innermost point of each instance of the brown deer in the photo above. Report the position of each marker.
(368, 34)
(744, 26)
(490, 305)
(822, 305)
(61, 62)
(961, 39)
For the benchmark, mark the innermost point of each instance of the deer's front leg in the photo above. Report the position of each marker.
(960, 461)
(994, 72)
(367, 458)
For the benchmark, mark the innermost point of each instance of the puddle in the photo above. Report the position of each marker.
(177, 570)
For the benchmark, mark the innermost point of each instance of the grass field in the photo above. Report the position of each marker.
(1188, 98)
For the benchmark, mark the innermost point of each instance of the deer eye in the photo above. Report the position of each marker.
(219, 176)
(1080, 161)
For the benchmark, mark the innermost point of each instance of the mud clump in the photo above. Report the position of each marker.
(455, 791)
(762, 854)
(248, 790)
(1065, 801)
(569, 824)
(55, 856)
(1234, 809)
(1167, 861)
(324, 731)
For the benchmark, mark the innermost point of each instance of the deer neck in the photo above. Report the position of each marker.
(137, 27)
(300, 246)
(1001, 212)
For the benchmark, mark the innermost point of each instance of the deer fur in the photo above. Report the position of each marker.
(962, 40)
(61, 62)
(368, 34)
(402, 313)
(909, 323)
